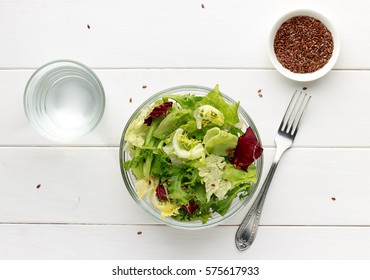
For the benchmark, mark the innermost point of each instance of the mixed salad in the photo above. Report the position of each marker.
(190, 156)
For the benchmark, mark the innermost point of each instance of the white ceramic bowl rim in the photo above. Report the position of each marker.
(307, 76)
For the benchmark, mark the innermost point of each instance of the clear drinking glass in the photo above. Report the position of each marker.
(64, 100)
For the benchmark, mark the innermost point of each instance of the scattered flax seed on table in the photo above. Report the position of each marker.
(260, 93)
(303, 44)
(130, 100)
(38, 186)
(88, 26)
(202, 6)
(144, 86)
(333, 198)
(139, 233)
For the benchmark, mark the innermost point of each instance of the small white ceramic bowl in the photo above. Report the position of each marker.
(303, 77)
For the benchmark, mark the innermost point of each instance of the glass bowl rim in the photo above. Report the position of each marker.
(169, 221)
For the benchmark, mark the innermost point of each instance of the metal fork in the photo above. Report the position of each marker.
(284, 139)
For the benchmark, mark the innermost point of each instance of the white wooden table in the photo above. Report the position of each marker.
(318, 206)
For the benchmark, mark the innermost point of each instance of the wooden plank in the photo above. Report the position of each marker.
(163, 34)
(330, 120)
(134, 242)
(84, 185)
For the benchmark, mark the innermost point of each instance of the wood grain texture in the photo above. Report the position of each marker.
(136, 242)
(338, 114)
(68, 201)
(84, 185)
(142, 34)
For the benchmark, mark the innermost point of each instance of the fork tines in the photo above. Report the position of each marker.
(294, 112)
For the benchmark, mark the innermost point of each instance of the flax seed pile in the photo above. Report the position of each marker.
(303, 44)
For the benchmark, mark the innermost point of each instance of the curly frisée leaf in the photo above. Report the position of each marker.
(186, 101)
(188, 157)
(222, 206)
(186, 148)
(208, 115)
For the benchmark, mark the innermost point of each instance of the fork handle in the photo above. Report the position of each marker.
(247, 230)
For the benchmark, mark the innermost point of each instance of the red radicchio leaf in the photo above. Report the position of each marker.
(158, 111)
(191, 207)
(161, 192)
(247, 150)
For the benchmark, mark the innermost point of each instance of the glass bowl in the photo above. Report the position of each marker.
(64, 100)
(129, 178)
(303, 77)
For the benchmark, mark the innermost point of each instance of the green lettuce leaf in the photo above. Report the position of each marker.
(222, 206)
(186, 101)
(238, 176)
(171, 122)
(219, 142)
(215, 99)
